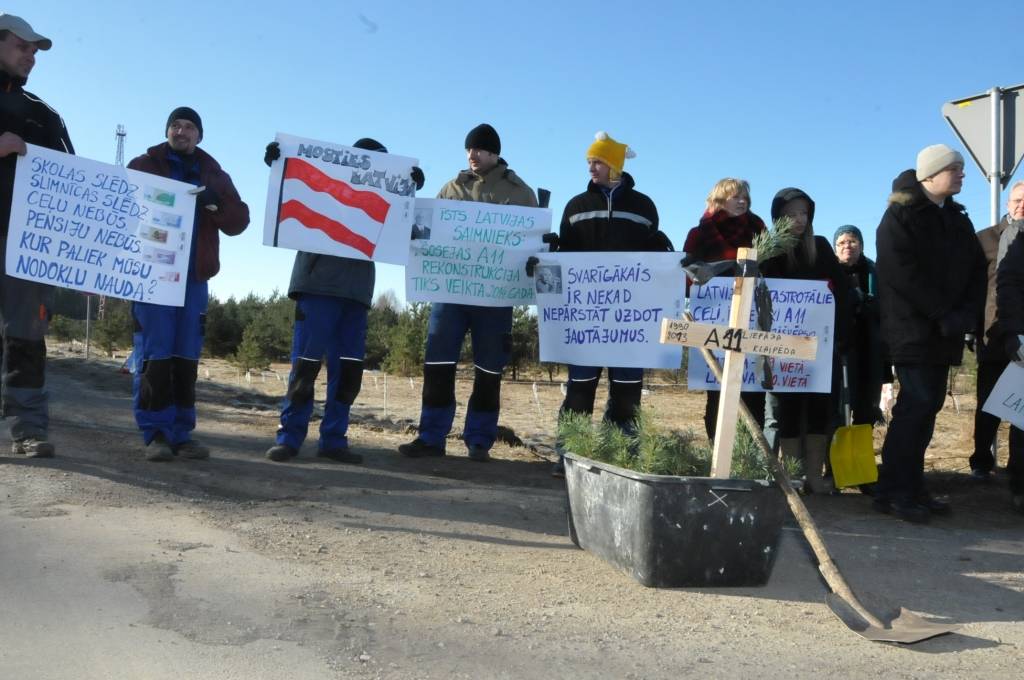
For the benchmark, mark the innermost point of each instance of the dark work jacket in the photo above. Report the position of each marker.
(29, 117)
(623, 220)
(341, 277)
(931, 276)
(989, 240)
(1009, 299)
(231, 216)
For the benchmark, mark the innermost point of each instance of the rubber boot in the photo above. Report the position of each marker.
(814, 464)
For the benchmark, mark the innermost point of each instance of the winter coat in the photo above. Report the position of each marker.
(231, 216)
(498, 185)
(1009, 300)
(618, 220)
(29, 117)
(931, 275)
(867, 357)
(341, 277)
(989, 240)
(719, 234)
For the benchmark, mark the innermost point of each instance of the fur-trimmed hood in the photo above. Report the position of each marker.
(907, 192)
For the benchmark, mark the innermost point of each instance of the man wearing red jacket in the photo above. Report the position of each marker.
(169, 340)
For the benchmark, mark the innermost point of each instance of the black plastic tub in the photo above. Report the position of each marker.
(674, 532)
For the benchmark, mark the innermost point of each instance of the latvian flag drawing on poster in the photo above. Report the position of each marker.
(339, 200)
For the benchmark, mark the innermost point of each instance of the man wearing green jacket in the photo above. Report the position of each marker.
(487, 180)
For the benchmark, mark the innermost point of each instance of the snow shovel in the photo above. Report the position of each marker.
(853, 451)
(897, 625)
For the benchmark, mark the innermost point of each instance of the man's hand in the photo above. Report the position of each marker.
(272, 153)
(417, 177)
(969, 341)
(1016, 353)
(550, 238)
(531, 263)
(206, 198)
(12, 143)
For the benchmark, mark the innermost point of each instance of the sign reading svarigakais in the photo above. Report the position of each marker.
(85, 225)
(473, 253)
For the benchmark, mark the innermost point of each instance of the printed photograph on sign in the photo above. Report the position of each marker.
(548, 279)
(339, 200)
(473, 253)
(104, 229)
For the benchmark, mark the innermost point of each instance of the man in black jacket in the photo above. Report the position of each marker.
(24, 305)
(610, 216)
(931, 274)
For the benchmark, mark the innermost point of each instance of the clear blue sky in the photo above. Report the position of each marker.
(835, 98)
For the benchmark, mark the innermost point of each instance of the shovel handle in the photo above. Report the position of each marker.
(826, 566)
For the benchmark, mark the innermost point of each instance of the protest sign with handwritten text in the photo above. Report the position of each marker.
(1007, 399)
(98, 228)
(473, 253)
(339, 200)
(605, 309)
(798, 308)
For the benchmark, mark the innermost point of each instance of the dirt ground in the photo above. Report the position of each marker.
(439, 568)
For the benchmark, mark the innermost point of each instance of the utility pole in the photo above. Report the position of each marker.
(119, 134)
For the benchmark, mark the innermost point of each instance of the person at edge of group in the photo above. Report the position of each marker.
(806, 419)
(1008, 332)
(332, 298)
(992, 359)
(168, 340)
(488, 179)
(726, 225)
(610, 216)
(24, 305)
(868, 365)
(931, 276)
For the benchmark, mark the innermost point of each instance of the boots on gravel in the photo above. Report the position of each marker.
(159, 449)
(192, 450)
(32, 447)
(281, 453)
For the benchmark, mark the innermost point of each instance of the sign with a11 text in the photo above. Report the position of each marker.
(605, 309)
(798, 308)
(1007, 399)
(339, 200)
(473, 253)
(98, 228)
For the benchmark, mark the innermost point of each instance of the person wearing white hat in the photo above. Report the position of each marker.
(931, 280)
(24, 305)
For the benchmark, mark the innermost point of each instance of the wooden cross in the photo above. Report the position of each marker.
(736, 339)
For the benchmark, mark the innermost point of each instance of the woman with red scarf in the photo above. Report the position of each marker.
(727, 224)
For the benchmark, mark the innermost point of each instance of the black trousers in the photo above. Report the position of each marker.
(986, 425)
(922, 393)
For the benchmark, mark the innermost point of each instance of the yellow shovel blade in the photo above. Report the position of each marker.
(853, 456)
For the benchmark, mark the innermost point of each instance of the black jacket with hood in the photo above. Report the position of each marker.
(931, 275)
(824, 268)
(623, 220)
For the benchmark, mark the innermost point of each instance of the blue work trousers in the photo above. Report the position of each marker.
(332, 330)
(491, 333)
(168, 342)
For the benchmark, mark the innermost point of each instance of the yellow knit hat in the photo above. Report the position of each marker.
(608, 151)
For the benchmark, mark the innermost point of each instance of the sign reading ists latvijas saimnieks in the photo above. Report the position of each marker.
(99, 228)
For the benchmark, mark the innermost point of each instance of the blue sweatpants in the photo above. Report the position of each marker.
(327, 329)
(168, 343)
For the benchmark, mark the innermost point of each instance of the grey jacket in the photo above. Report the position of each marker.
(342, 277)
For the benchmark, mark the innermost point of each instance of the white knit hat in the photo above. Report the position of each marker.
(934, 159)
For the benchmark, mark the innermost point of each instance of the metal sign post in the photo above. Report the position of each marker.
(991, 127)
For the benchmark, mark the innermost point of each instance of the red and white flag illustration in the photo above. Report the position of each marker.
(339, 200)
(361, 236)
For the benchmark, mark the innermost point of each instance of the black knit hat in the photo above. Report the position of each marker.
(185, 113)
(484, 137)
(370, 144)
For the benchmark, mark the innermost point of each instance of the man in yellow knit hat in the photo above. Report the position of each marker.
(610, 216)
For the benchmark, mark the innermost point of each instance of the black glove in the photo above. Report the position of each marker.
(531, 262)
(417, 177)
(969, 341)
(1015, 348)
(551, 238)
(272, 153)
(207, 197)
